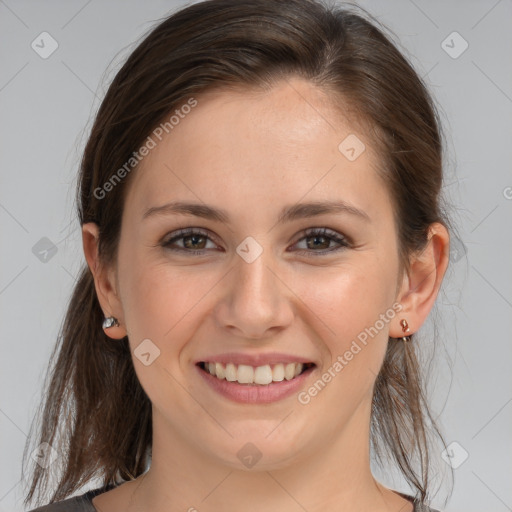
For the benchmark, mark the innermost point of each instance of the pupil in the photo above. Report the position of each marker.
(316, 237)
(194, 238)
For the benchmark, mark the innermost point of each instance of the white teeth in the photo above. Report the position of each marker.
(262, 375)
(245, 374)
(230, 372)
(278, 373)
(289, 371)
(219, 370)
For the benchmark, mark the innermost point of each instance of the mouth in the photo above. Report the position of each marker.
(265, 375)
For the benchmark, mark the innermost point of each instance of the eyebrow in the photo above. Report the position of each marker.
(287, 214)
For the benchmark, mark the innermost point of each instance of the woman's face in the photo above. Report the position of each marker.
(255, 284)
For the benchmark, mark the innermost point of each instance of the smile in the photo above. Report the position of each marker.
(255, 384)
(260, 375)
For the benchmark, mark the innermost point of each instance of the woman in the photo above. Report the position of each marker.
(260, 206)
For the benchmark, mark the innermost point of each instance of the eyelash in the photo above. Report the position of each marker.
(325, 232)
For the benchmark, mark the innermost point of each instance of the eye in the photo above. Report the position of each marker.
(192, 238)
(321, 238)
(193, 241)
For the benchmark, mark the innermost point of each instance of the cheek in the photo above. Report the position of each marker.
(346, 307)
(159, 305)
(160, 302)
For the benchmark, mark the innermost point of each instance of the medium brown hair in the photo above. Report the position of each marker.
(95, 411)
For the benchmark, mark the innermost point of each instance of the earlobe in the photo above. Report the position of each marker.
(105, 288)
(422, 284)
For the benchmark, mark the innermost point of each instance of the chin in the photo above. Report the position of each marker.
(256, 450)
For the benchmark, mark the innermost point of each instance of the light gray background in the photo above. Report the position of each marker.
(46, 108)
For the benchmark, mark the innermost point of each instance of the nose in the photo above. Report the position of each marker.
(256, 301)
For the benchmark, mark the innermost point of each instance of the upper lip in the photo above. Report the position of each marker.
(255, 359)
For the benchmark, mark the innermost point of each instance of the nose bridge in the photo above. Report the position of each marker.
(254, 282)
(255, 301)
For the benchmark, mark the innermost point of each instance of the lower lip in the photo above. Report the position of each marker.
(257, 393)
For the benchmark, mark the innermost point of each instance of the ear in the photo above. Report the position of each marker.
(421, 285)
(104, 281)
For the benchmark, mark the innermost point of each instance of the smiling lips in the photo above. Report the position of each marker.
(262, 375)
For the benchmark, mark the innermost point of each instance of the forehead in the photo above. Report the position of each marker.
(281, 143)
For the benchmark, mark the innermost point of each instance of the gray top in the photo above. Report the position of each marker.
(83, 503)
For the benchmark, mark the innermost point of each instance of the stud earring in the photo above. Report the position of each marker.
(405, 328)
(110, 321)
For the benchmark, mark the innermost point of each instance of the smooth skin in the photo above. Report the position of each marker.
(252, 153)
